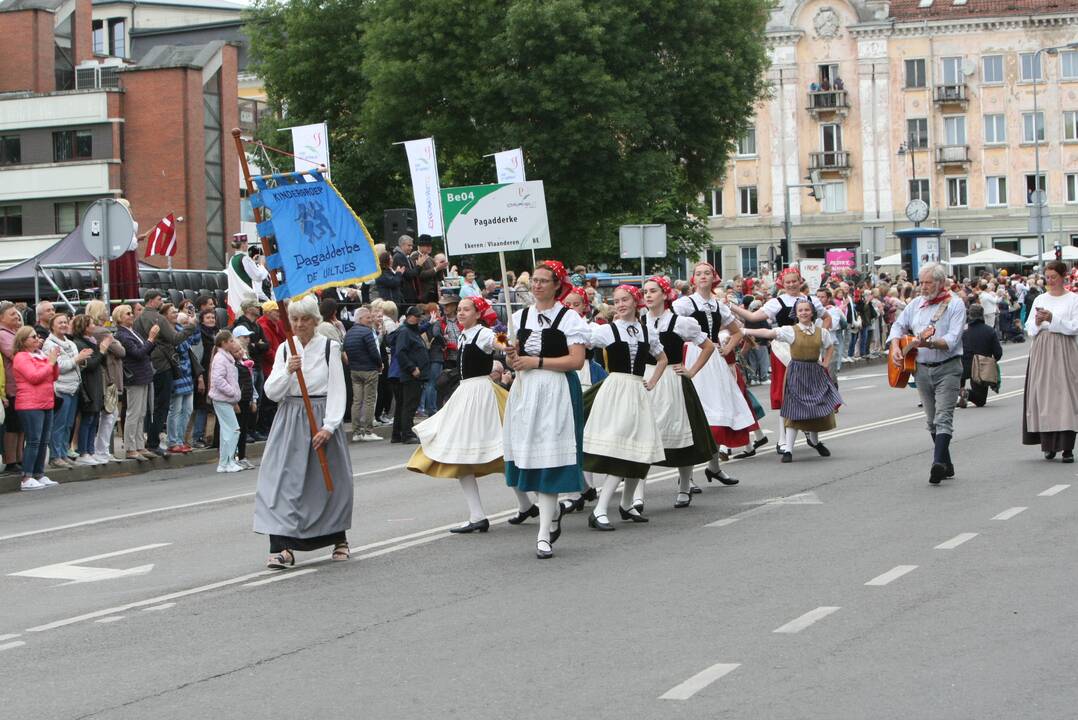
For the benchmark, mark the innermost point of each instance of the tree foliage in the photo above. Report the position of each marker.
(626, 109)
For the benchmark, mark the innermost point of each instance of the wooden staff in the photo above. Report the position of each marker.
(283, 303)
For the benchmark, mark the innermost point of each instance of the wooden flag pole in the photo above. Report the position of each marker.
(508, 306)
(267, 251)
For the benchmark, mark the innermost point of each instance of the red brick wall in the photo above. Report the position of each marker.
(30, 63)
(82, 43)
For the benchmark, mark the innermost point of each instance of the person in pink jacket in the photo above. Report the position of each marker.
(35, 372)
(225, 393)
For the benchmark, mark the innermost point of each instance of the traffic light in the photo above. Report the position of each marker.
(1059, 252)
(816, 188)
(812, 189)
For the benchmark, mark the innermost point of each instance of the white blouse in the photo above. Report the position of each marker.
(786, 333)
(685, 327)
(684, 306)
(1064, 309)
(575, 327)
(603, 336)
(320, 378)
(773, 306)
(485, 341)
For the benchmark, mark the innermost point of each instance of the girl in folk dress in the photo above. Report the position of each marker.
(544, 416)
(621, 437)
(591, 373)
(464, 439)
(727, 412)
(810, 397)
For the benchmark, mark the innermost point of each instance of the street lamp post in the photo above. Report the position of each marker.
(904, 148)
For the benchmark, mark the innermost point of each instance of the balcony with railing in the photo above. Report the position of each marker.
(831, 161)
(951, 94)
(952, 155)
(827, 102)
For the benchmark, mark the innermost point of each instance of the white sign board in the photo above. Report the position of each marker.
(637, 241)
(812, 273)
(495, 218)
(423, 165)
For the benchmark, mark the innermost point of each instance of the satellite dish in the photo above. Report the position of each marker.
(968, 67)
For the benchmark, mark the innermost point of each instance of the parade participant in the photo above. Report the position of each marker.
(779, 312)
(727, 412)
(292, 504)
(464, 439)
(728, 345)
(682, 422)
(810, 397)
(1050, 413)
(592, 372)
(621, 437)
(544, 416)
(937, 319)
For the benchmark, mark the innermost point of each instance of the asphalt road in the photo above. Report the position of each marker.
(842, 587)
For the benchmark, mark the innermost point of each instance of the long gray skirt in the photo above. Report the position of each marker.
(1050, 413)
(291, 499)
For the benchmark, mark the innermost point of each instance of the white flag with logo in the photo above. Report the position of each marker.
(425, 186)
(310, 143)
(510, 166)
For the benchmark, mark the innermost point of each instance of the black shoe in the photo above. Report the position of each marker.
(787, 457)
(760, 443)
(720, 476)
(1068, 457)
(158, 452)
(1050, 455)
(541, 553)
(745, 454)
(694, 489)
(819, 447)
(937, 473)
(626, 515)
(480, 526)
(778, 449)
(639, 507)
(570, 506)
(596, 524)
(520, 517)
(556, 532)
(679, 503)
(411, 441)
(950, 471)
(590, 495)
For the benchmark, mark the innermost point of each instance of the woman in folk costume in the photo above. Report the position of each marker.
(292, 504)
(810, 396)
(621, 437)
(727, 412)
(592, 372)
(682, 422)
(463, 440)
(779, 311)
(544, 416)
(728, 345)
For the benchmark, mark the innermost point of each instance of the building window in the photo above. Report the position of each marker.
(10, 221)
(1068, 64)
(915, 73)
(716, 202)
(1033, 183)
(1072, 188)
(67, 216)
(746, 201)
(99, 37)
(919, 190)
(749, 263)
(834, 198)
(1032, 127)
(957, 192)
(995, 129)
(952, 70)
(996, 192)
(954, 130)
(959, 247)
(993, 70)
(746, 144)
(1031, 67)
(10, 149)
(117, 46)
(72, 145)
(1070, 125)
(917, 133)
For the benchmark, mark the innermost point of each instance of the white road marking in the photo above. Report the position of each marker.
(805, 498)
(163, 606)
(73, 571)
(860, 377)
(1009, 513)
(1054, 490)
(723, 523)
(859, 387)
(11, 645)
(1013, 359)
(282, 575)
(110, 619)
(891, 575)
(698, 682)
(379, 470)
(10, 636)
(956, 541)
(812, 616)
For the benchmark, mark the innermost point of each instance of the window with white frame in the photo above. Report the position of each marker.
(954, 130)
(1068, 65)
(1032, 127)
(746, 201)
(1033, 183)
(746, 144)
(992, 72)
(1070, 125)
(952, 70)
(915, 73)
(917, 133)
(749, 263)
(996, 191)
(1072, 187)
(957, 192)
(715, 202)
(1030, 67)
(834, 198)
(919, 190)
(995, 129)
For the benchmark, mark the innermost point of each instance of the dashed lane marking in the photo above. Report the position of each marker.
(282, 575)
(11, 645)
(812, 616)
(1009, 513)
(956, 541)
(699, 681)
(1054, 490)
(891, 575)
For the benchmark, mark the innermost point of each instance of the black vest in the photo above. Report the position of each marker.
(553, 341)
(473, 362)
(785, 315)
(617, 353)
(673, 344)
(711, 322)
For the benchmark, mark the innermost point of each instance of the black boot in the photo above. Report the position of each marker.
(941, 458)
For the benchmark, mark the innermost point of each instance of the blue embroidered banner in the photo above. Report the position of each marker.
(321, 242)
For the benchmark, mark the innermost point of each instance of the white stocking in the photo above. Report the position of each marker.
(713, 464)
(629, 490)
(782, 432)
(638, 493)
(524, 501)
(605, 493)
(758, 433)
(548, 511)
(471, 494)
(791, 437)
(589, 478)
(813, 436)
(684, 479)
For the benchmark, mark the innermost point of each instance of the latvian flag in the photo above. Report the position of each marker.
(162, 239)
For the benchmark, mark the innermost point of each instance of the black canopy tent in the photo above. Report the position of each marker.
(17, 281)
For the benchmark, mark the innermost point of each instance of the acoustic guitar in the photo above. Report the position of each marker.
(898, 375)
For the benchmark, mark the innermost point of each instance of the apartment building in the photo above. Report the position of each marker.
(896, 101)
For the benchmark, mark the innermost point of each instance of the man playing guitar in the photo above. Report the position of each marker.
(939, 358)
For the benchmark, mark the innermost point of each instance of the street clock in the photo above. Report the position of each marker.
(917, 211)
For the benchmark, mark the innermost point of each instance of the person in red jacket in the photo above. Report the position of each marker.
(273, 330)
(35, 373)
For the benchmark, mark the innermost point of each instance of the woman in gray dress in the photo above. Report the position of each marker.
(292, 504)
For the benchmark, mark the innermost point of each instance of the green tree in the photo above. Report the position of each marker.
(626, 109)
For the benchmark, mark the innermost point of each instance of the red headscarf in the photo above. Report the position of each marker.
(786, 271)
(669, 294)
(635, 292)
(483, 309)
(561, 275)
(579, 292)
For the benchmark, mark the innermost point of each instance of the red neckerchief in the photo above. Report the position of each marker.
(944, 294)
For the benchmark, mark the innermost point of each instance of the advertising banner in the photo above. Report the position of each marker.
(812, 273)
(510, 166)
(495, 218)
(311, 146)
(840, 260)
(423, 164)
